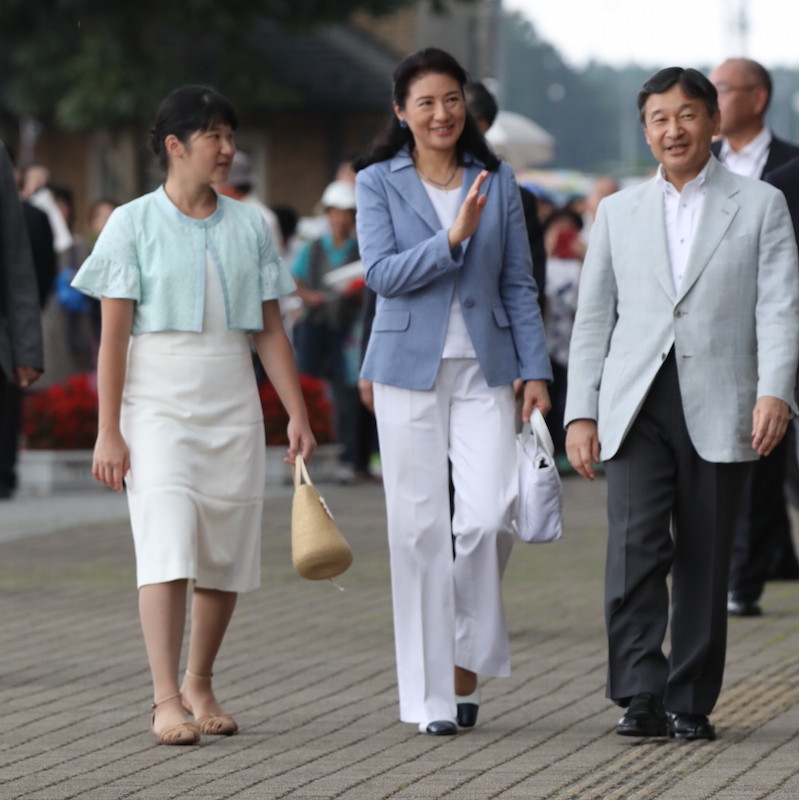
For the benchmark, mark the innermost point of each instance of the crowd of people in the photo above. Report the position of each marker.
(657, 326)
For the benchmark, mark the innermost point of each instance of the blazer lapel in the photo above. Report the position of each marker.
(409, 187)
(718, 211)
(653, 227)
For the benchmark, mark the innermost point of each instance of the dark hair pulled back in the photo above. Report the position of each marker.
(185, 111)
(430, 61)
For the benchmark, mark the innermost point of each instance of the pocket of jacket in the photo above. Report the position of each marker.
(501, 317)
(391, 321)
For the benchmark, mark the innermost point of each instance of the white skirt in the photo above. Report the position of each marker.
(193, 422)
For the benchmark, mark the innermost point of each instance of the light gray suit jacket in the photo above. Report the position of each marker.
(734, 324)
(20, 326)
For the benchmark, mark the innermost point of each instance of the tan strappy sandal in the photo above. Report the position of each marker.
(211, 724)
(182, 733)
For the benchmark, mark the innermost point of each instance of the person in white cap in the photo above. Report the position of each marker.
(320, 337)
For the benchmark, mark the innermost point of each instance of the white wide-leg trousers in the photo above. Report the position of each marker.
(447, 611)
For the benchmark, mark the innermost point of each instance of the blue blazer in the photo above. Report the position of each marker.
(409, 265)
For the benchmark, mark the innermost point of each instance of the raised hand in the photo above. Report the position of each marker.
(469, 215)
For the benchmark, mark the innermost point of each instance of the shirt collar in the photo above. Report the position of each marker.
(668, 188)
(753, 149)
(171, 209)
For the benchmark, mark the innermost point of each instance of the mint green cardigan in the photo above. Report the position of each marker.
(152, 253)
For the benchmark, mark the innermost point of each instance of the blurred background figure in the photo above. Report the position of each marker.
(70, 342)
(98, 215)
(240, 186)
(603, 187)
(325, 340)
(763, 548)
(36, 189)
(43, 255)
(747, 145)
(565, 253)
(289, 244)
(482, 105)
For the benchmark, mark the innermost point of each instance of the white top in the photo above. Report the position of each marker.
(271, 219)
(681, 212)
(43, 200)
(750, 160)
(457, 343)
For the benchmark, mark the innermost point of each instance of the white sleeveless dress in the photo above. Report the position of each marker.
(193, 422)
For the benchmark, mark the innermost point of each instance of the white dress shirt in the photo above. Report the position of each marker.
(458, 343)
(681, 212)
(751, 159)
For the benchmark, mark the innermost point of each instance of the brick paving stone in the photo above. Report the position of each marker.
(309, 672)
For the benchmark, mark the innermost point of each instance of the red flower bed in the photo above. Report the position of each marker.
(320, 411)
(62, 416)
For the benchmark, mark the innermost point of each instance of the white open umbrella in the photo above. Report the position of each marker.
(520, 141)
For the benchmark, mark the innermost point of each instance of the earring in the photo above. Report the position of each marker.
(403, 123)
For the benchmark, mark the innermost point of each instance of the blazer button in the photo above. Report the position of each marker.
(678, 312)
(468, 303)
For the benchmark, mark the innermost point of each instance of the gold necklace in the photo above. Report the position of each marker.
(437, 183)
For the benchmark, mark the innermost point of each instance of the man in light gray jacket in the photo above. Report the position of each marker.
(681, 371)
(21, 359)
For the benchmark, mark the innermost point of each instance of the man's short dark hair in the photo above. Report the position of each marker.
(691, 81)
(481, 103)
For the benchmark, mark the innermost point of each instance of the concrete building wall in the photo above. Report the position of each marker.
(468, 31)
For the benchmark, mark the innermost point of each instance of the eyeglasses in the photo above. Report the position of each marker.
(724, 88)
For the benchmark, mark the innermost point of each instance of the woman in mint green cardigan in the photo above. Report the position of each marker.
(184, 275)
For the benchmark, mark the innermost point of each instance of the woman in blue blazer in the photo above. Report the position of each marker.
(443, 240)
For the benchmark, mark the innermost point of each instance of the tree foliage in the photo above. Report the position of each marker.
(85, 63)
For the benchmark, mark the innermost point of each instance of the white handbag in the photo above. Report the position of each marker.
(540, 504)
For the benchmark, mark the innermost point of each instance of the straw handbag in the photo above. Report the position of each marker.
(318, 549)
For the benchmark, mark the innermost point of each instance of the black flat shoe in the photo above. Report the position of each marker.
(645, 717)
(439, 727)
(468, 705)
(691, 726)
(738, 607)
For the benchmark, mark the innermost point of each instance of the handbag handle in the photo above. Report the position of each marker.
(301, 471)
(537, 427)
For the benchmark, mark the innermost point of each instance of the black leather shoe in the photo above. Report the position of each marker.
(645, 717)
(468, 706)
(439, 727)
(738, 607)
(690, 726)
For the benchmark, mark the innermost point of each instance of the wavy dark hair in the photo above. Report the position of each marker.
(185, 111)
(431, 60)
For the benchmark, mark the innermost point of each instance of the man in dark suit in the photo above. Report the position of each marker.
(763, 548)
(21, 358)
(44, 262)
(747, 145)
(786, 179)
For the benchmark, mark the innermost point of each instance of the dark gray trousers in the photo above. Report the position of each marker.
(668, 511)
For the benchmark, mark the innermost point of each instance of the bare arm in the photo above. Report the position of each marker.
(310, 297)
(111, 456)
(275, 353)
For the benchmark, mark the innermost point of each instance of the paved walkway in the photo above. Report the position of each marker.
(308, 671)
